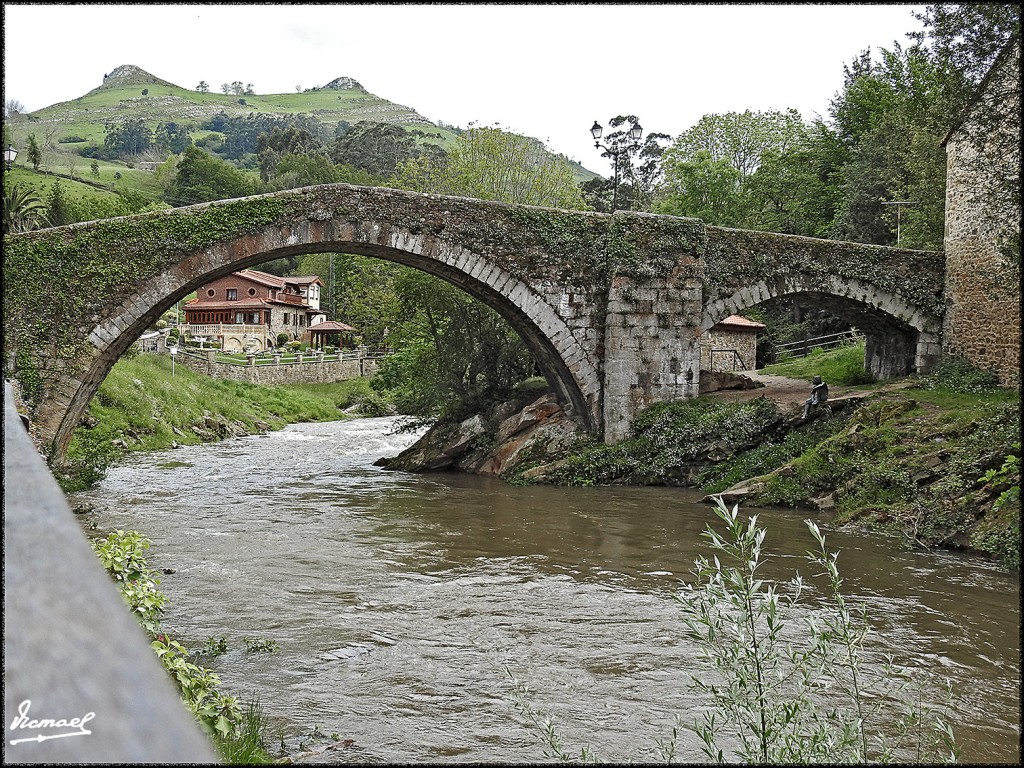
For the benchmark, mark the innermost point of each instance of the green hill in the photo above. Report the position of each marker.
(132, 93)
(121, 95)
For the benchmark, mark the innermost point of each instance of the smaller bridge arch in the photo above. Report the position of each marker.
(893, 295)
(901, 338)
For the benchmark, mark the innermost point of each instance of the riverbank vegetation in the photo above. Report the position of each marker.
(935, 460)
(142, 406)
(236, 732)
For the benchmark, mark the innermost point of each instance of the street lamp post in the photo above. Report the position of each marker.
(899, 204)
(9, 154)
(635, 132)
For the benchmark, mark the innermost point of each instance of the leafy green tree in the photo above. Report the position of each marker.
(380, 148)
(703, 188)
(94, 168)
(200, 177)
(795, 192)
(128, 138)
(35, 154)
(23, 210)
(271, 147)
(172, 137)
(742, 170)
(891, 119)
(60, 209)
(740, 138)
(203, 87)
(491, 164)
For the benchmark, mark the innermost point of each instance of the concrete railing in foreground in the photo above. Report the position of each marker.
(81, 683)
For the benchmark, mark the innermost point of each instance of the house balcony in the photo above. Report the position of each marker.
(211, 330)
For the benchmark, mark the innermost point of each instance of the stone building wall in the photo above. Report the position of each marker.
(744, 342)
(982, 320)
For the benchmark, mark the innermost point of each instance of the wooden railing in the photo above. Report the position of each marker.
(828, 341)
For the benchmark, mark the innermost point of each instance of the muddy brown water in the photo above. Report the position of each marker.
(399, 601)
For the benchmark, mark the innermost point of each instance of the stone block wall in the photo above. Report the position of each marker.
(327, 372)
(983, 302)
(718, 338)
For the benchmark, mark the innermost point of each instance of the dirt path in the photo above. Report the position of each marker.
(788, 393)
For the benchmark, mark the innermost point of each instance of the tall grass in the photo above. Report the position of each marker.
(842, 365)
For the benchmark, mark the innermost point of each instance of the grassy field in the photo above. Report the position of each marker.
(843, 366)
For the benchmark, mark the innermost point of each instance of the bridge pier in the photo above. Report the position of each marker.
(651, 348)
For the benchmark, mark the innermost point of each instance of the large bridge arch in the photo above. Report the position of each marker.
(551, 293)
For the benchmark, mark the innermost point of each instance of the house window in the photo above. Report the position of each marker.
(252, 291)
(240, 317)
(255, 318)
(211, 293)
(285, 318)
(232, 294)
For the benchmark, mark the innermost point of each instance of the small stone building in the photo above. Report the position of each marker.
(731, 345)
(982, 241)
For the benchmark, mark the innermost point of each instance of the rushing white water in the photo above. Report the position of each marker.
(398, 601)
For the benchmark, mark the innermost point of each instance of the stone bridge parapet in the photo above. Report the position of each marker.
(611, 306)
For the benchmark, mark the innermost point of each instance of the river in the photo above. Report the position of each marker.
(398, 601)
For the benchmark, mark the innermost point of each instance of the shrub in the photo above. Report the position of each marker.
(957, 374)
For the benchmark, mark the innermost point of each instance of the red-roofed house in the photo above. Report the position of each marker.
(246, 310)
(731, 345)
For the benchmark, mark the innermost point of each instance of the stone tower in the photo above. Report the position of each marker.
(982, 236)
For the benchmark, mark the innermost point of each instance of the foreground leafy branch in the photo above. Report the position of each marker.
(784, 683)
(781, 693)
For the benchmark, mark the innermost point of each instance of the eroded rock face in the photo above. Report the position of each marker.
(491, 444)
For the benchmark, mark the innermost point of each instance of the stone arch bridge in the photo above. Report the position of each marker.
(612, 306)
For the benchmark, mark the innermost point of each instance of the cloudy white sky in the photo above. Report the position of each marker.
(547, 71)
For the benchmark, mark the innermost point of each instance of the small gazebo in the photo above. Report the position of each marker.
(320, 332)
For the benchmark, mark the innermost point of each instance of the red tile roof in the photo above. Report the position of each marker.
(330, 326)
(738, 321)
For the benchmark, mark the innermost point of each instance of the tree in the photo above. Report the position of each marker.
(128, 138)
(203, 87)
(171, 137)
(740, 138)
(890, 119)
(271, 147)
(738, 170)
(703, 188)
(380, 148)
(35, 154)
(492, 164)
(201, 177)
(13, 108)
(60, 209)
(23, 210)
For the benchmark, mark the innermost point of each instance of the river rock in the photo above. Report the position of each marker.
(715, 381)
(492, 443)
(440, 448)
